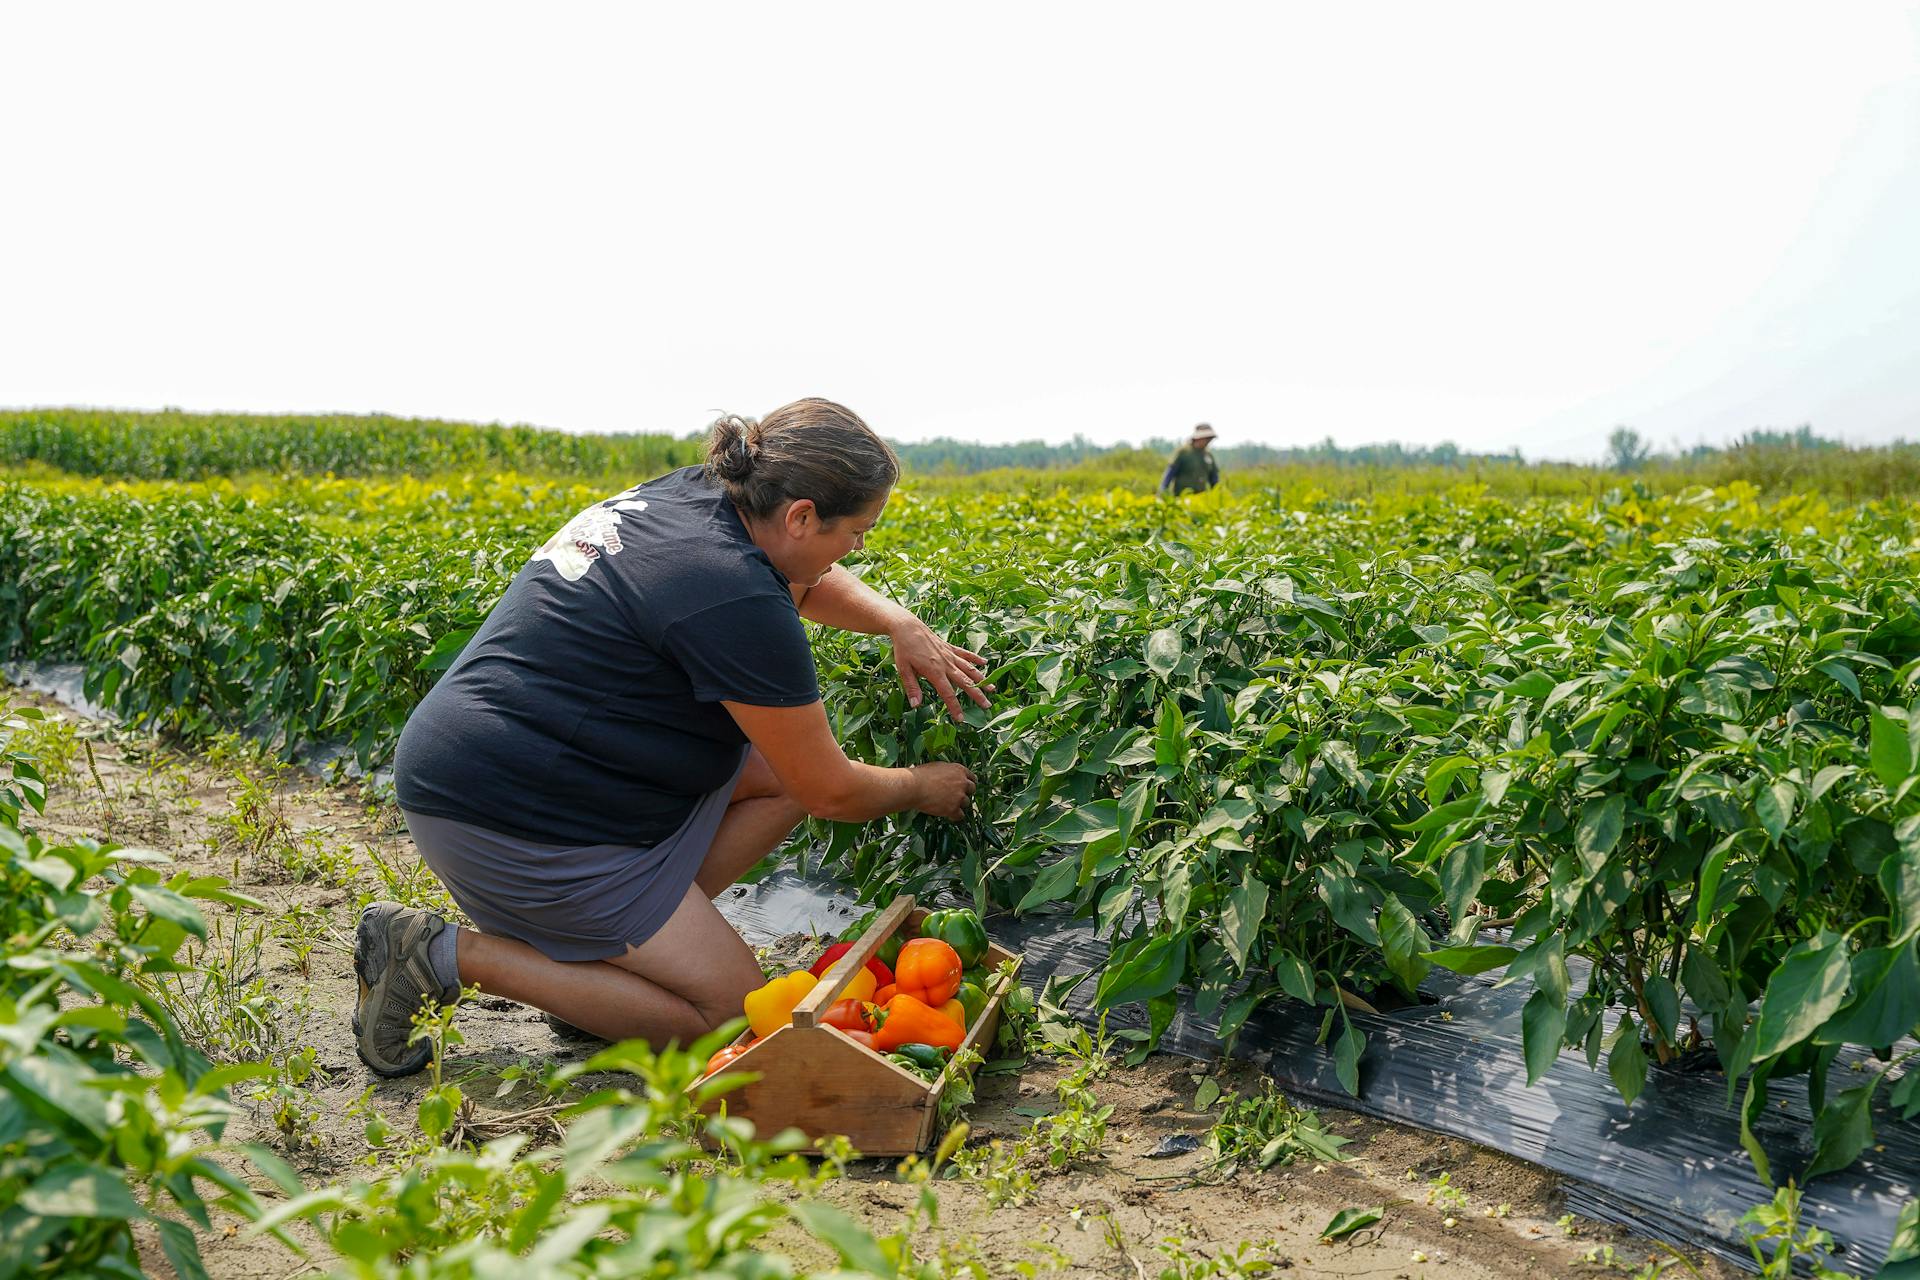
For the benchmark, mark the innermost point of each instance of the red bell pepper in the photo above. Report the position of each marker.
(881, 974)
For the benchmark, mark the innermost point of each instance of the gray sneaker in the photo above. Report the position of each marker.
(396, 980)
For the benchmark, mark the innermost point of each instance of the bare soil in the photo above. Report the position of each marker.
(313, 853)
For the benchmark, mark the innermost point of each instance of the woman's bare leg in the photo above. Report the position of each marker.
(686, 979)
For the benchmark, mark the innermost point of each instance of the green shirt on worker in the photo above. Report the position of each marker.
(1191, 471)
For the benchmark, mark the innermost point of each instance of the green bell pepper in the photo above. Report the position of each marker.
(889, 952)
(921, 1059)
(960, 929)
(974, 1000)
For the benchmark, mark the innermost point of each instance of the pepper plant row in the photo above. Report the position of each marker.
(1669, 747)
(1655, 757)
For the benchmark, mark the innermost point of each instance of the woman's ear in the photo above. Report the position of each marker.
(800, 517)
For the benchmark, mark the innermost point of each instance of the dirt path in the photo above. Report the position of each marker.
(314, 853)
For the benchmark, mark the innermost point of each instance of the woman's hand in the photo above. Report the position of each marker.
(944, 790)
(951, 670)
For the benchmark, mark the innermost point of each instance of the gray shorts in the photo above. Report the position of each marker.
(570, 902)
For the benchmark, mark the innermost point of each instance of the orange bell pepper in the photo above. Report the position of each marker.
(725, 1056)
(909, 1021)
(862, 1038)
(885, 993)
(929, 970)
(955, 1010)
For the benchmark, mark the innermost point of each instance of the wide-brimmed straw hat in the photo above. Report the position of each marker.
(1204, 432)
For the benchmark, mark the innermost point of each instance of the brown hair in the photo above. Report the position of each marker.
(811, 448)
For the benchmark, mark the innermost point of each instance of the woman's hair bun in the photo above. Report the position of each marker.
(813, 449)
(731, 450)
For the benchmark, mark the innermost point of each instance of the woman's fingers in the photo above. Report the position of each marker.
(968, 654)
(944, 688)
(969, 681)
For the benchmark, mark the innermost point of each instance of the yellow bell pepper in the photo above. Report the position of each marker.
(862, 987)
(771, 1007)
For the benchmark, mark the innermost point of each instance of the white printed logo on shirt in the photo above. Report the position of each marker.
(595, 531)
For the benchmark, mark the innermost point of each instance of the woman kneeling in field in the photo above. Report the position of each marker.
(636, 724)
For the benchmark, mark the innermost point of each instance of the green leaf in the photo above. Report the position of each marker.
(1348, 1221)
(1773, 804)
(81, 1191)
(1207, 1094)
(1176, 893)
(1056, 880)
(1348, 903)
(1085, 823)
(277, 1170)
(168, 905)
(1889, 750)
(1245, 910)
(1543, 1026)
(1534, 684)
(1170, 735)
(1341, 758)
(1905, 1094)
(1663, 1001)
(1134, 805)
(1900, 881)
(1461, 876)
(1705, 983)
(1842, 1130)
(54, 1076)
(1826, 778)
(1802, 993)
(182, 1250)
(1707, 902)
(1472, 960)
(1627, 1064)
(1293, 975)
(437, 1108)
(1885, 1001)
(1152, 971)
(1903, 1254)
(1236, 1013)
(1061, 757)
(1346, 1058)
(1752, 1106)
(1841, 674)
(1403, 943)
(1546, 963)
(1163, 652)
(220, 1077)
(1598, 830)
(446, 650)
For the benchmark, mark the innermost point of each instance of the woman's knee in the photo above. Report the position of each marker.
(721, 1006)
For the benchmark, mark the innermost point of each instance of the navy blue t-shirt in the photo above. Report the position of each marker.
(586, 709)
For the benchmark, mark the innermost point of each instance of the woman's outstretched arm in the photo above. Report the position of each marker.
(842, 601)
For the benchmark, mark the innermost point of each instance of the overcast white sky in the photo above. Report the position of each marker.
(1504, 225)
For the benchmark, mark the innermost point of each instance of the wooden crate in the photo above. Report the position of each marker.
(816, 1080)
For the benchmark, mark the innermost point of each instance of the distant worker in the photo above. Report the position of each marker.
(1193, 469)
